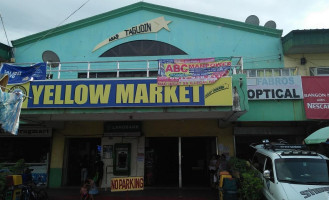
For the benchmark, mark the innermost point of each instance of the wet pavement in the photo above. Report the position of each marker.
(72, 193)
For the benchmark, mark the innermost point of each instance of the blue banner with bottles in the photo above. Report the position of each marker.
(21, 74)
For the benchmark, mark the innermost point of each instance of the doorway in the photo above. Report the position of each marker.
(77, 150)
(162, 161)
(196, 152)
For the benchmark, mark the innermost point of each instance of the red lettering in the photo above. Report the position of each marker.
(131, 183)
(169, 68)
(141, 182)
(176, 68)
(120, 184)
(184, 68)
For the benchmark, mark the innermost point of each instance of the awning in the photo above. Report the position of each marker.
(319, 136)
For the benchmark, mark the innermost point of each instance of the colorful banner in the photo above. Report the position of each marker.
(19, 74)
(192, 71)
(316, 96)
(278, 87)
(124, 93)
(127, 184)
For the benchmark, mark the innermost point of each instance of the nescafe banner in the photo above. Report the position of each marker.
(316, 96)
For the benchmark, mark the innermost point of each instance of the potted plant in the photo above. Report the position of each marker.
(250, 185)
(237, 166)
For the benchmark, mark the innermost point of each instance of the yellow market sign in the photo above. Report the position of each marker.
(127, 184)
(124, 93)
(152, 26)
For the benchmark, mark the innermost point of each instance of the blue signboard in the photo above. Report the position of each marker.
(124, 93)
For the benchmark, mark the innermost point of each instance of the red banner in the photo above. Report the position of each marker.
(316, 96)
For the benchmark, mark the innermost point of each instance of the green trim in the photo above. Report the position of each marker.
(149, 7)
(5, 52)
(123, 110)
(55, 177)
(306, 41)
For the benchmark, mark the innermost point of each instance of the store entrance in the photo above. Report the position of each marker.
(79, 149)
(162, 161)
(196, 153)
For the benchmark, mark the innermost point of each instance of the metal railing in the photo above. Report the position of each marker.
(112, 69)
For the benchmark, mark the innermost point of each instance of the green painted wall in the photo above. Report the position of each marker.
(55, 177)
(275, 110)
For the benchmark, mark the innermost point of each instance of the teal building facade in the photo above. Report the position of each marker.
(166, 140)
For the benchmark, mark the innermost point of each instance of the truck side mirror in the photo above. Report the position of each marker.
(267, 174)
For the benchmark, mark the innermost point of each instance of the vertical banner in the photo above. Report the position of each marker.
(316, 96)
(192, 71)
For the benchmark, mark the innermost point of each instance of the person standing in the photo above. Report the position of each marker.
(99, 171)
(84, 169)
(212, 170)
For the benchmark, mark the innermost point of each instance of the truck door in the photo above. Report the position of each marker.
(270, 188)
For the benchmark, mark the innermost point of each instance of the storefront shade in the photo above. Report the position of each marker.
(318, 136)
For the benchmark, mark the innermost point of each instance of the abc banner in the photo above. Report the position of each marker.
(192, 71)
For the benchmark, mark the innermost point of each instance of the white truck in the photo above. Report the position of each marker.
(290, 172)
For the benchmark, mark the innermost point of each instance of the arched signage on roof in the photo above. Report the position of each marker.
(151, 26)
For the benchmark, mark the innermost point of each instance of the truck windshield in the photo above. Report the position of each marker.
(302, 171)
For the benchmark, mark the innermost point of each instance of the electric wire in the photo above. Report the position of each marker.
(3, 25)
(53, 29)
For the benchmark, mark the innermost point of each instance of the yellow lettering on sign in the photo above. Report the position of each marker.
(141, 94)
(68, 92)
(182, 94)
(47, 94)
(170, 95)
(155, 92)
(36, 93)
(196, 93)
(58, 92)
(99, 94)
(125, 95)
(81, 94)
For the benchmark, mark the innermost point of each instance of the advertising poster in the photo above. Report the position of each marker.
(316, 97)
(22, 74)
(192, 71)
(107, 151)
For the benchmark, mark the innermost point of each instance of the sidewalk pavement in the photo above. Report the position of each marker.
(72, 193)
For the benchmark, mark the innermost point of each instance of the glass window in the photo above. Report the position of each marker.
(268, 72)
(303, 171)
(143, 48)
(322, 71)
(285, 72)
(260, 73)
(258, 161)
(252, 73)
(276, 72)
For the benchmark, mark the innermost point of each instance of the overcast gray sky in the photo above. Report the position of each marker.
(22, 18)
